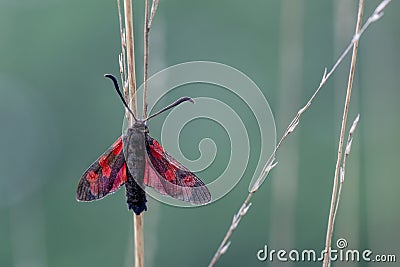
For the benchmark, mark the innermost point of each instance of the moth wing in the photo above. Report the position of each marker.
(105, 175)
(167, 176)
(152, 178)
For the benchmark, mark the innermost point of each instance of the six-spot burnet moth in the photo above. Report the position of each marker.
(137, 160)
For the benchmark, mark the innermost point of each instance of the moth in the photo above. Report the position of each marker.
(136, 160)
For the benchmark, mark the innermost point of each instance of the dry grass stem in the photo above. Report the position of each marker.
(122, 56)
(343, 167)
(127, 65)
(130, 53)
(148, 18)
(270, 164)
(138, 241)
(128, 76)
(139, 246)
(334, 198)
(154, 7)
(145, 55)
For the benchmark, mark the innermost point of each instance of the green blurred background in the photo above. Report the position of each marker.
(57, 114)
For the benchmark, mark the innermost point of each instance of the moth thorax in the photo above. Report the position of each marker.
(140, 126)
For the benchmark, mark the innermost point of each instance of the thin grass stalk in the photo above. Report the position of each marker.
(130, 52)
(122, 56)
(146, 55)
(334, 198)
(343, 167)
(336, 183)
(129, 45)
(138, 241)
(154, 7)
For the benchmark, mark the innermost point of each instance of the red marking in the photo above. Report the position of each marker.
(188, 181)
(157, 150)
(105, 168)
(120, 178)
(170, 175)
(164, 168)
(117, 146)
(103, 160)
(173, 164)
(91, 176)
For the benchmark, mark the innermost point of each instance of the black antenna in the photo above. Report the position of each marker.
(110, 76)
(176, 103)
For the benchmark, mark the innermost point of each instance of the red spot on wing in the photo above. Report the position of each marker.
(170, 176)
(92, 176)
(120, 179)
(117, 146)
(188, 181)
(156, 150)
(106, 171)
(105, 168)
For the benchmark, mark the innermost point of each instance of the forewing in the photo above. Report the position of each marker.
(166, 175)
(104, 176)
